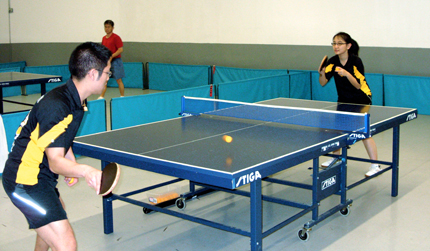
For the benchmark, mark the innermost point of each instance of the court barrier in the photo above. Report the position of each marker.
(300, 85)
(407, 91)
(229, 74)
(10, 69)
(254, 90)
(169, 77)
(20, 64)
(142, 109)
(62, 70)
(326, 93)
(133, 76)
(11, 123)
(94, 121)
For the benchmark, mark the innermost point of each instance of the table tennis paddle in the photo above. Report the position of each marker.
(323, 63)
(110, 177)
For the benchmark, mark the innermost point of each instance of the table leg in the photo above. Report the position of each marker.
(43, 88)
(256, 216)
(395, 169)
(107, 210)
(315, 170)
(343, 175)
(23, 90)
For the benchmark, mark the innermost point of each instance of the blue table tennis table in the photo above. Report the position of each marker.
(268, 137)
(22, 79)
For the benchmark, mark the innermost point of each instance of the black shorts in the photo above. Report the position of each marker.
(40, 203)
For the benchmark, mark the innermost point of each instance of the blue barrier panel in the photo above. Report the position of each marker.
(300, 85)
(257, 89)
(11, 123)
(13, 90)
(20, 64)
(168, 77)
(407, 91)
(326, 93)
(142, 109)
(62, 70)
(133, 76)
(94, 120)
(376, 84)
(230, 74)
(10, 69)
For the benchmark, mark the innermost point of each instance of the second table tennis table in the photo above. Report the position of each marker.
(191, 148)
(8, 79)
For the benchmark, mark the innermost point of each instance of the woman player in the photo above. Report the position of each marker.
(348, 72)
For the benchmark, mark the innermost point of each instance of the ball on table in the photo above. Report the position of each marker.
(227, 138)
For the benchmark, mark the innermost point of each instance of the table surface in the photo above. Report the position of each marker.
(193, 147)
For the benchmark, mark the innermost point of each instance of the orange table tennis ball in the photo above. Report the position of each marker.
(227, 138)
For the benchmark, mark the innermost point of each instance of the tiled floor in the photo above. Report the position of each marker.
(377, 221)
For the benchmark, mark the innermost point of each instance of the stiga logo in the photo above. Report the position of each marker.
(247, 178)
(54, 80)
(411, 116)
(357, 136)
(328, 182)
(330, 146)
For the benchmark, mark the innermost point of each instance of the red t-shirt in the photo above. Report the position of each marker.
(113, 43)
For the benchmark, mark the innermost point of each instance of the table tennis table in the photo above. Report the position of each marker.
(22, 79)
(191, 148)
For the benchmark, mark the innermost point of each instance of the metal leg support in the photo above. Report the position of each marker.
(107, 210)
(256, 216)
(395, 168)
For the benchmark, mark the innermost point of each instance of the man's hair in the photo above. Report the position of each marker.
(88, 56)
(110, 22)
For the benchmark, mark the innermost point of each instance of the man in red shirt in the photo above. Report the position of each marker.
(114, 43)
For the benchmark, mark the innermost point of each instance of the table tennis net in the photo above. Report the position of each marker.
(326, 119)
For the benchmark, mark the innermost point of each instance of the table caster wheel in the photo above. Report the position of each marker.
(146, 210)
(180, 203)
(303, 234)
(345, 211)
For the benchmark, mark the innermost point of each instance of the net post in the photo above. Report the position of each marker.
(182, 104)
(367, 124)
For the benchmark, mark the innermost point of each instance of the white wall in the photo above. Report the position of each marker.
(380, 23)
(4, 22)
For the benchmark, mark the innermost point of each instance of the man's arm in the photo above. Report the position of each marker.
(62, 164)
(117, 52)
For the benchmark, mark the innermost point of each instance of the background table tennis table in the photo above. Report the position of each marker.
(191, 148)
(22, 79)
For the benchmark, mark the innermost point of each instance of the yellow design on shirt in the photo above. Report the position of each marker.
(364, 87)
(329, 68)
(33, 155)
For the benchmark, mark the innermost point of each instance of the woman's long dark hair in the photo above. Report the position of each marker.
(348, 39)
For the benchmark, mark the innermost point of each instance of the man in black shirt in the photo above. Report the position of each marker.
(42, 149)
